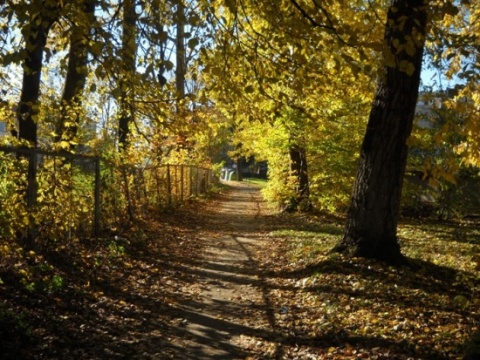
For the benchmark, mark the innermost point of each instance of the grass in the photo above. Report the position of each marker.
(356, 308)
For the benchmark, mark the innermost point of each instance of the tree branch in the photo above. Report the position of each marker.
(310, 19)
(314, 23)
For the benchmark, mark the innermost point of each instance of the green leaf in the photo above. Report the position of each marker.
(407, 67)
(248, 89)
(116, 93)
(192, 43)
(168, 65)
(461, 302)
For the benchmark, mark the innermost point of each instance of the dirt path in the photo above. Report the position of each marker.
(231, 311)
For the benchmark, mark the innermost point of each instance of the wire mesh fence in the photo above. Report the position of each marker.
(136, 191)
(58, 195)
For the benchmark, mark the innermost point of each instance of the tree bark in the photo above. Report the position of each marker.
(77, 72)
(373, 214)
(129, 51)
(240, 168)
(36, 34)
(180, 53)
(299, 169)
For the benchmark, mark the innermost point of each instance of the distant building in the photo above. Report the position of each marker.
(3, 129)
(426, 110)
(429, 107)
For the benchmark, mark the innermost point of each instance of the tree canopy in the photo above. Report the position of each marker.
(291, 82)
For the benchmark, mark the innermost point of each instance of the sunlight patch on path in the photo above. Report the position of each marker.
(230, 309)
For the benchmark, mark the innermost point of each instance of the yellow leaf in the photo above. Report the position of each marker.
(406, 67)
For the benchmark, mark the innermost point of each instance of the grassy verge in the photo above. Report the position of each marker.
(330, 307)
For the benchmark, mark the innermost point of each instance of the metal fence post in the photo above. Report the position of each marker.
(190, 184)
(97, 198)
(31, 196)
(169, 186)
(196, 181)
(175, 181)
(159, 197)
(181, 183)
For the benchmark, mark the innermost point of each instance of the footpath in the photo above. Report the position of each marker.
(230, 311)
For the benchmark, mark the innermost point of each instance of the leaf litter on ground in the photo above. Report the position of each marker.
(118, 296)
(335, 307)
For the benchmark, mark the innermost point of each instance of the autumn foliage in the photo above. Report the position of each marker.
(129, 106)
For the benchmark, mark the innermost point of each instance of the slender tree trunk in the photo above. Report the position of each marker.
(180, 70)
(299, 169)
(36, 34)
(162, 80)
(129, 51)
(180, 52)
(127, 89)
(372, 218)
(77, 71)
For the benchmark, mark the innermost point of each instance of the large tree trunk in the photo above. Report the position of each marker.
(240, 168)
(36, 34)
(76, 72)
(372, 218)
(129, 51)
(299, 169)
